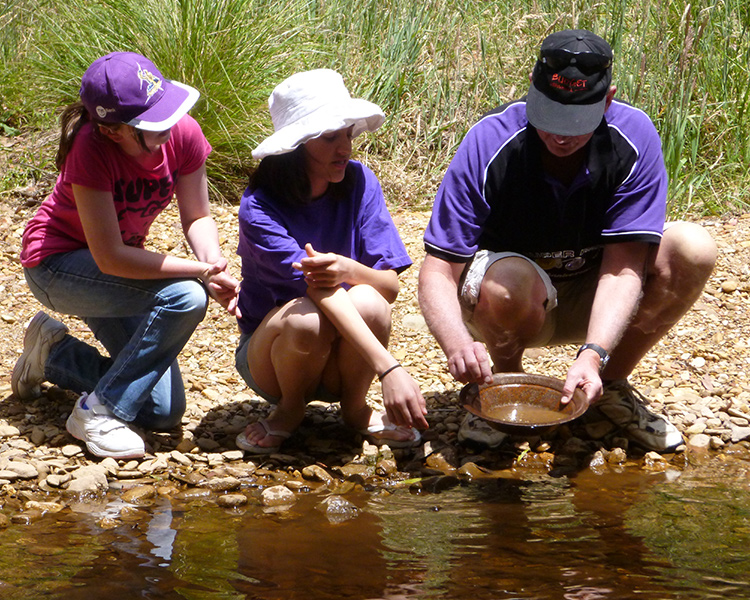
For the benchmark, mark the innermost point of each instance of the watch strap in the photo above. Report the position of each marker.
(603, 354)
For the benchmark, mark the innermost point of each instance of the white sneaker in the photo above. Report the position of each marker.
(476, 429)
(622, 405)
(104, 434)
(42, 333)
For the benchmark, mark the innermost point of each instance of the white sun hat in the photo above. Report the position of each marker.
(311, 103)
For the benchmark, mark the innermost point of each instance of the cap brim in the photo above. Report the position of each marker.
(562, 119)
(177, 100)
(364, 115)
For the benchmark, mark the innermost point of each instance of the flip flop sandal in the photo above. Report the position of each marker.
(393, 443)
(243, 443)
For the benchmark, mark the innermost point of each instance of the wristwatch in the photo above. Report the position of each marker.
(603, 355)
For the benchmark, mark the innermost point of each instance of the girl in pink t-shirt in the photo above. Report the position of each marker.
(126, 149)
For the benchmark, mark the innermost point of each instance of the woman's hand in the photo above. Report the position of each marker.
(403, 400)
(324, 270)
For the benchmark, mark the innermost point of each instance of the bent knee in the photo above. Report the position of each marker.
(689, 245)
(512, 286)
(308, 329)
(186, 295)
(371, 305)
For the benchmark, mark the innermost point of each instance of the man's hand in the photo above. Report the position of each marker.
(584, 374)
(471, 364)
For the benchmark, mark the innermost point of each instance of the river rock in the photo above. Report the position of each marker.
(338, 509)
(9, 431)
(24, 470)
(139, 493)
(91, 479)
(740, 433)
(222, 484)
(700, 441)
(317, 473)
(231, 500)
(57, 480)
(277, 495)
(71, 450)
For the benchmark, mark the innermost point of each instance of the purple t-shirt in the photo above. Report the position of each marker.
(496, 195)
(273, 236)
(139, 194)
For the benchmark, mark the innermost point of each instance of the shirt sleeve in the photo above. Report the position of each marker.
(461, 208)
(190, 144)
(268, 248)
(89, 162)
(379, 245)
(638, 209)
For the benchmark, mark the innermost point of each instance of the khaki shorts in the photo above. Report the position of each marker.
(568, 302)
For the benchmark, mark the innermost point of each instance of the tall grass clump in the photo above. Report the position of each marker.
(228, 49)
(435, 68)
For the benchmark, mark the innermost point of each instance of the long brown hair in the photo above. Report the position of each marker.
(72, 119)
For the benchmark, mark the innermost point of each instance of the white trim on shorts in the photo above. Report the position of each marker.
(483, 260)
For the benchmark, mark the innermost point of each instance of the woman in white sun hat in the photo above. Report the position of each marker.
(320, 263)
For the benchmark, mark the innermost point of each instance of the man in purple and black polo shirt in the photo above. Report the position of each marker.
(548, 229)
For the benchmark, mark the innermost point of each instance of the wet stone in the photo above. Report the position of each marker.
(231, 500)
(57, 481)
(139, 494)
(222, 484)
(338, 509)
(317, 473)
(277, 495)
(617, 456)
(386, 467)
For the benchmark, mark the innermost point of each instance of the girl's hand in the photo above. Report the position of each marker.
(222, 287)
(403, 400)
(324, 270)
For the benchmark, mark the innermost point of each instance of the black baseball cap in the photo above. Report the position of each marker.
(569, 83)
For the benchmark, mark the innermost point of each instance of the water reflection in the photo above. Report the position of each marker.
(588, 537)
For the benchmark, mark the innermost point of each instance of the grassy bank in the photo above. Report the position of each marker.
(434, 67)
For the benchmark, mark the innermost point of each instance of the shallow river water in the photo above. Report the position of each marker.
(673, 535)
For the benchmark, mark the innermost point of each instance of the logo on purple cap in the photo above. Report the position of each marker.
(153, 83)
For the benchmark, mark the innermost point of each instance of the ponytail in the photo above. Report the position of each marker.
(71, 121)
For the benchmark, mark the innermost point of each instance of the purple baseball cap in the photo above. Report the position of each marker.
(569, 84)
(125, 87)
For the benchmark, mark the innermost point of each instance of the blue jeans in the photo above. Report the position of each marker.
(143, 324)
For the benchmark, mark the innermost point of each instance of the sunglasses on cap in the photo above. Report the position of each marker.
(588, 63)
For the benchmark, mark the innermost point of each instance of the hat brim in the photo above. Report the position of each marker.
(563, 119)
(174, 104)
(364, 115)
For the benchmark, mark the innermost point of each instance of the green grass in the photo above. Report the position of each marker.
(434, 67)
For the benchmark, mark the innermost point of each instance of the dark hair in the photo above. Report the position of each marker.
(72, 119)
(284, 177)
